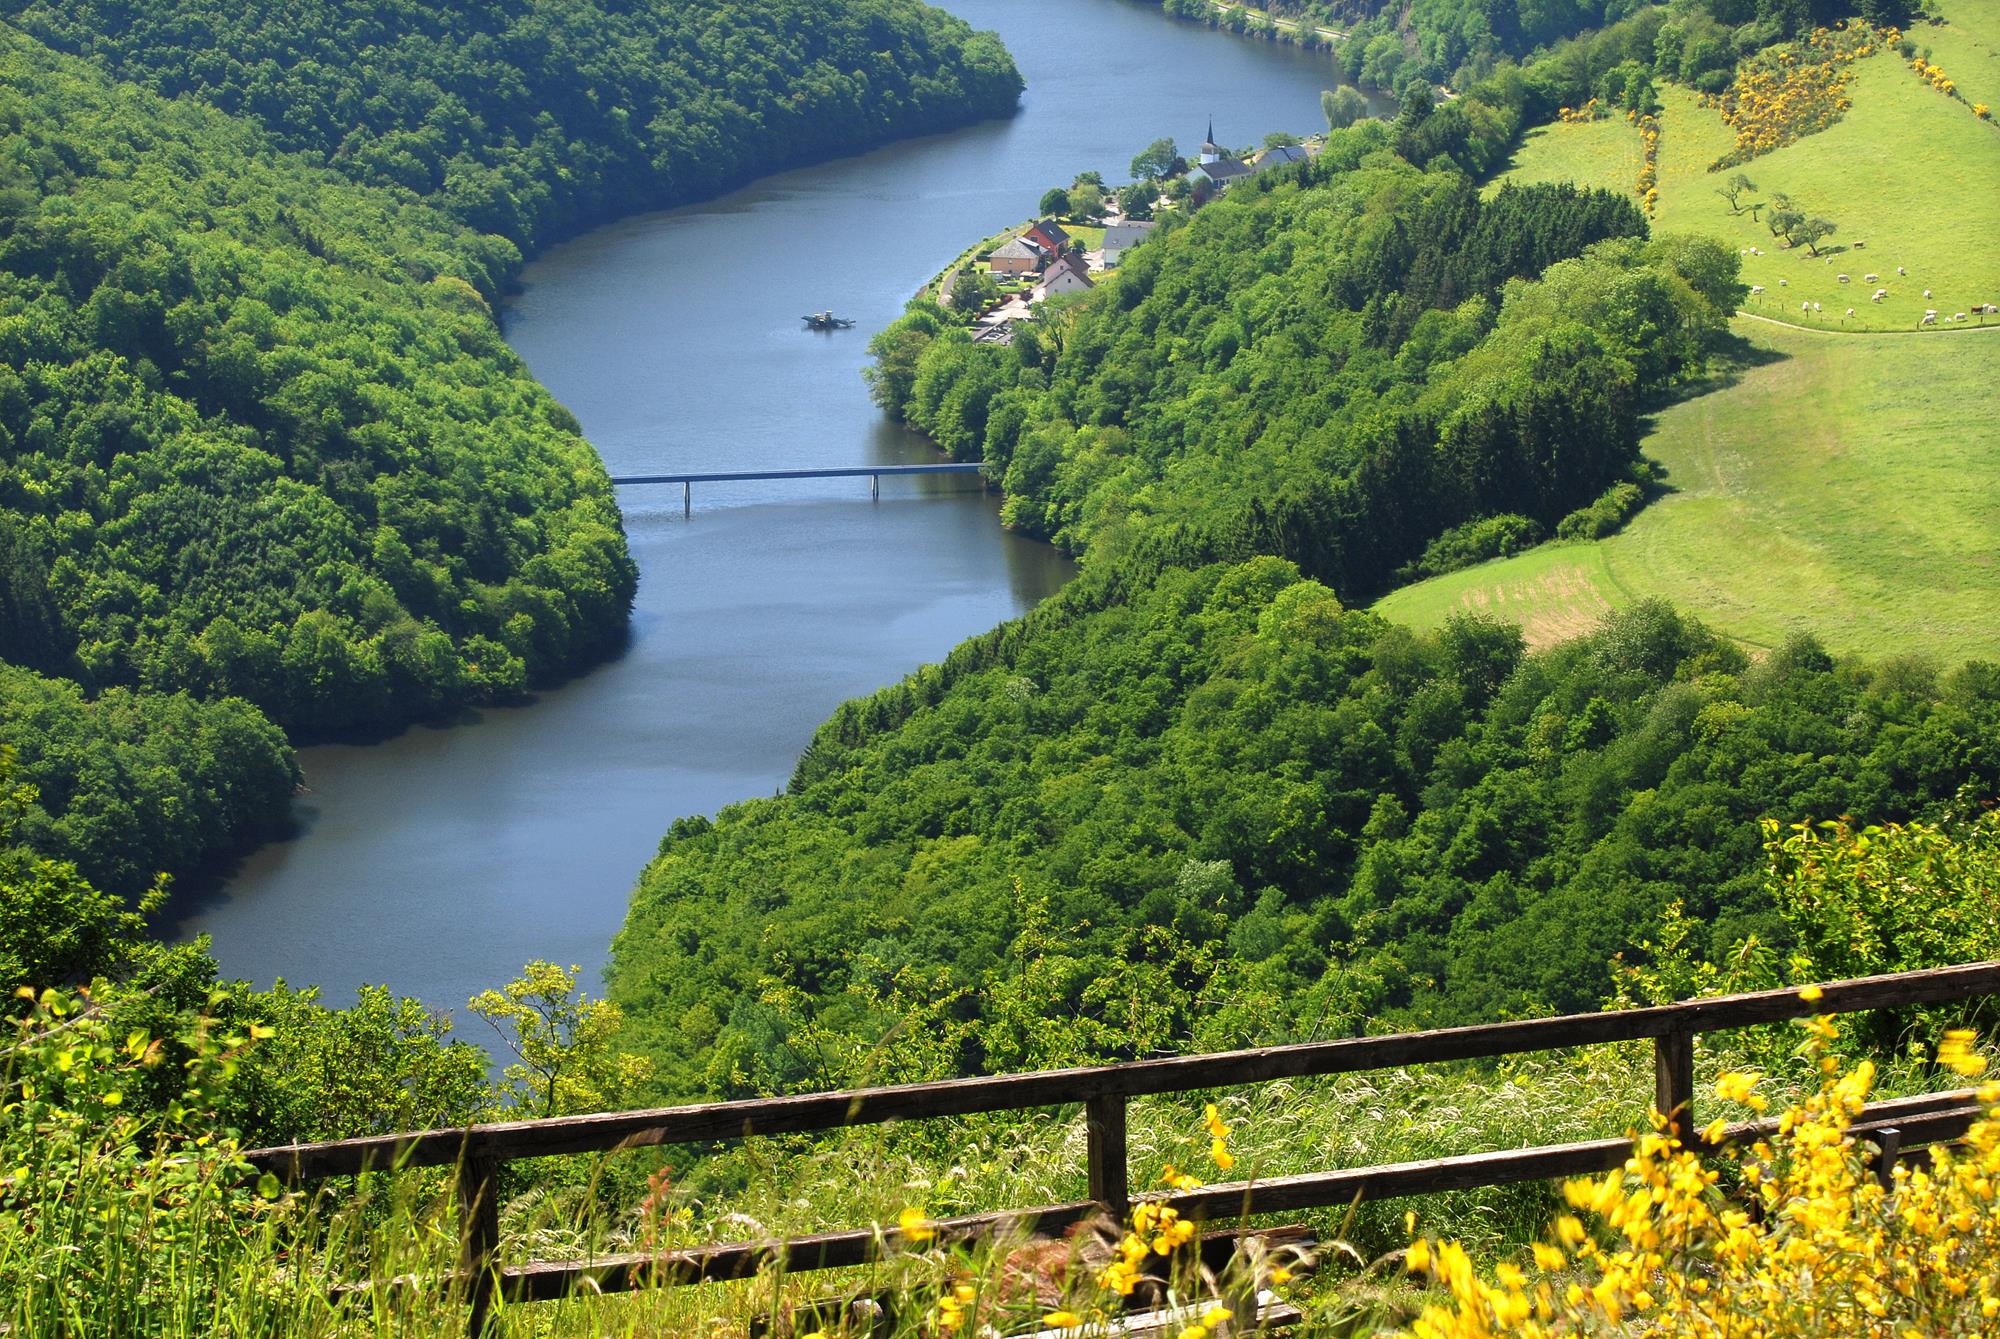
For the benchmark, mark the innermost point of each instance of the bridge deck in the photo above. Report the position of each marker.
(839, 472)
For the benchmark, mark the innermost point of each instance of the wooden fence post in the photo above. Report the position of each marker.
(1888, 1146)
(1104, 1138)
(1673, 1083)
(479, 1234)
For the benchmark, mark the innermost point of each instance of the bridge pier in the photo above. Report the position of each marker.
(687, 500)
(874, 488)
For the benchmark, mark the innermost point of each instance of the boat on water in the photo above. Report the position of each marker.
(826, 321)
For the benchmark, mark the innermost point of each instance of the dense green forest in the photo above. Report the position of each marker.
(1388, 43)
(532, 120)
(1199, 799)
(264, 458)
(259, 440)
(1223, 810)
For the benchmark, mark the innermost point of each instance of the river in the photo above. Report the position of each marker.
(442, 860)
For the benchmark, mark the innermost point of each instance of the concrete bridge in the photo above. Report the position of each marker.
(874, 474)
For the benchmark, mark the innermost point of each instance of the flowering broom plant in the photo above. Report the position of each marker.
(1801, 1241)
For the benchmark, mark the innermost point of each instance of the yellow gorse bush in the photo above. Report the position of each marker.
(1809, 1244)
(1790, 91)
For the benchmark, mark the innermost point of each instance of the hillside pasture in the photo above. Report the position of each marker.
(1842, 486)
(1907, 171)
(1967, 46)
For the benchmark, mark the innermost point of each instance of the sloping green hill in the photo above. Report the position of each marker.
(1837, 485)
(1907, 171)
(1837, 482)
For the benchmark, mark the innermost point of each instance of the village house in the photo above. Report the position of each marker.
(1049, 236)
(1019, 256)
(1066, 275)
(1281, 154)
(1122, 237)
(1210, 178)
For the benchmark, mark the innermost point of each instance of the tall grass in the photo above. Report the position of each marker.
(117, 1222)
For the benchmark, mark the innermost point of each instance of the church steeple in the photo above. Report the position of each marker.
(1210, 150)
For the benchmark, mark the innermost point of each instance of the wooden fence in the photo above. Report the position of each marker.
(477, 1152)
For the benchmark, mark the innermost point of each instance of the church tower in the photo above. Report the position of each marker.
(1210, 150)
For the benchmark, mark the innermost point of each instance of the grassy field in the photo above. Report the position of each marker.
(1843, 486)
(1967, 45)
(1909, 172)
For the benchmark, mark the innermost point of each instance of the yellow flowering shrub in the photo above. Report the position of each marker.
(1790, 91)
(1648, 189)
(1807, 1244)
(1935, 76)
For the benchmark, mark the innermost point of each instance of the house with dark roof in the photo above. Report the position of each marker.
(1049, 235)
(1210, 178)
(1279, 155)
(1019, 256)
(1067, 274)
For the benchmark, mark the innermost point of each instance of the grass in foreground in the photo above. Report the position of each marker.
(1842, 486)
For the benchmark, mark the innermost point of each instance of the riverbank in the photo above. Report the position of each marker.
(674, 340)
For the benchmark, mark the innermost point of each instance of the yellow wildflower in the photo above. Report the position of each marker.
(915, 1226)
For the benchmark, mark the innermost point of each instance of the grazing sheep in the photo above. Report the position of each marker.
(1870, 278)
(1930, 318)
(1850, 312)
(1986, 309)
(1841, 277)
(1959, 316)
(1805, 306)
(1927, 292)
(1901, 270)
(1784, 283)
(1755, 289)
(1858, 246)
(1880, 293)
(1815, 306)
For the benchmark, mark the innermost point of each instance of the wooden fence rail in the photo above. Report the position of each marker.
(478, 1151)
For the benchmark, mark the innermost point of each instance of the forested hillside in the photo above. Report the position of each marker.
(1227, 811)
(1197, 800)
(1277, 371)
(262, 440)
(532, 120)
(264, 458)
(1387, 43)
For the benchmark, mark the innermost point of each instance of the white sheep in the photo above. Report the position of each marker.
(1930, 318)
(1755, 289)
(1784, 283)
(1815, 306)
(1805, 306)
(1927, 292)
(1880, 293)
(1841, 277)
(1959, 316)
(1870, 278)
(1901, 270)
(1850, 312)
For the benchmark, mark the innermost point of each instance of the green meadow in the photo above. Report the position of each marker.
(1908, 173)
(1967, 45)
(1842, 486)
(1838, 483)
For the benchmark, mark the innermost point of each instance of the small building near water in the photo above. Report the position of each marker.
(1019, 256)
(1122, 237)
(1049, 235)
(1066, 275)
